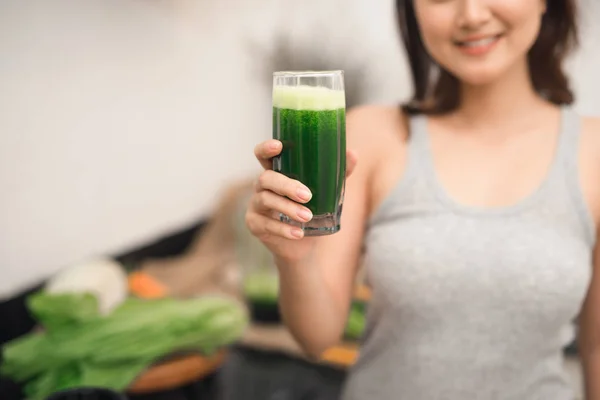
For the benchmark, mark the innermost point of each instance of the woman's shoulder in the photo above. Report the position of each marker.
(375, 126)
(379, 135)
(590, 138)
(590, 163)
(591, 126)
(380, 115)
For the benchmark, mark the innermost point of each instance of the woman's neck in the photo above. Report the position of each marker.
(507, 101)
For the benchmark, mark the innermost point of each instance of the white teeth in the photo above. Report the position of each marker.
(480, 42)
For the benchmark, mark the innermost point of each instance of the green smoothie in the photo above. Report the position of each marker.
(311, 124)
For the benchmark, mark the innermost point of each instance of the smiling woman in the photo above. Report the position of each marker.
(476, 205)
(446, 45)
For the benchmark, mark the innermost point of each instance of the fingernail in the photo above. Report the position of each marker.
(297, 233)
(305, 215)
(304, 194)
(275, 145)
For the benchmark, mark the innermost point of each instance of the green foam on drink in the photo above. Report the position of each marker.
(314, 98)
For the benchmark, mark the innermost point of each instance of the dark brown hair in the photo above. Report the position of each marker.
(439, 94)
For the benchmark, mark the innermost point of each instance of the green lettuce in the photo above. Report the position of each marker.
(78, 347)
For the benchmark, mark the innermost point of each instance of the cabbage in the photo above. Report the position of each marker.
(80, 347)
(106, 279)
(55, 311)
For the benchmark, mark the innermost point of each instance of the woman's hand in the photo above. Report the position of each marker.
(277, 194)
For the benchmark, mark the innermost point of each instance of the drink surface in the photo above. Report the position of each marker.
(311, 124)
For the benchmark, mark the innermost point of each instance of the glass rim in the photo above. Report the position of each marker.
(308, 73)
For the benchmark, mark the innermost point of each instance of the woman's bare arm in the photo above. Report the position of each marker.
(589, 332)
(316, 293)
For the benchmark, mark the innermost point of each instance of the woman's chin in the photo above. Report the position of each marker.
(479, 78)
(485, 73)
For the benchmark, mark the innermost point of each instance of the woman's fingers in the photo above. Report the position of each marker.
(265, 202)
(283, 186)
(264, 227)
(277, 194)
(351, 160)
(265, 151)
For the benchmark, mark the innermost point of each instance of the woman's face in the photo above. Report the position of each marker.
(479, 40)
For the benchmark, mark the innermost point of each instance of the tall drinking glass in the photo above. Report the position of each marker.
(309, 118)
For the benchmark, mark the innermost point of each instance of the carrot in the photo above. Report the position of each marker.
(343, 354)
(145, 286)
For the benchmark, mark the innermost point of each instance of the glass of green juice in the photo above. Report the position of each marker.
(309, 118)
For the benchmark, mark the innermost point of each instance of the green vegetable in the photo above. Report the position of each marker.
(81, 348)
(262, 287)
(53, 380)
(54, 311)
(355, 325)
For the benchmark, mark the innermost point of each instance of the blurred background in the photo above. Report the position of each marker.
(126, 137)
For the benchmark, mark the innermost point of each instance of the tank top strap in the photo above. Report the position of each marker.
(418, 132)
(567, 173)
(421, 164)
(413, 190)
(568, 144)
(417, 146)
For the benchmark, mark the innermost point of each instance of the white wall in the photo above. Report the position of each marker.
(585, 64)
(108, 135)
(122, 119)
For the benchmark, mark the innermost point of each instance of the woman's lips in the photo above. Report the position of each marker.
(478, 47)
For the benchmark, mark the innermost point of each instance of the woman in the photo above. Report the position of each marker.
(477, 204)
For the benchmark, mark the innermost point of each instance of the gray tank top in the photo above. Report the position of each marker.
(474, 303)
